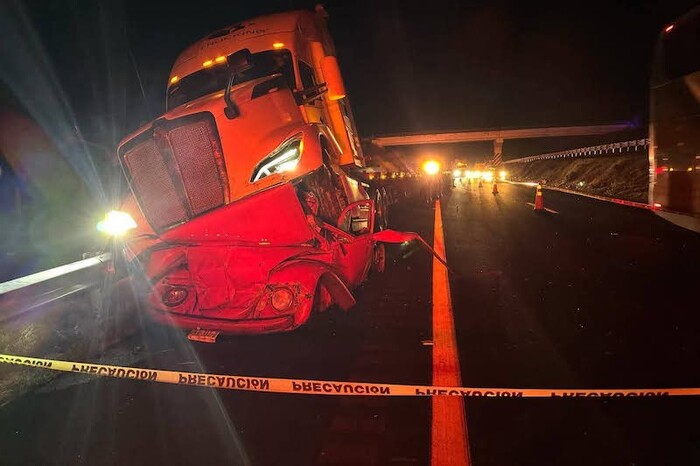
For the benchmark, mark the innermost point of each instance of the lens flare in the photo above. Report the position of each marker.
(431, 167)
(116, 223)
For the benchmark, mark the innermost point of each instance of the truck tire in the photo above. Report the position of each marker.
(387, 205)
(380, 206)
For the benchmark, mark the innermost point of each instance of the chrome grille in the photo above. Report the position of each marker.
(177, 171)
(194, 149)
(153, 186)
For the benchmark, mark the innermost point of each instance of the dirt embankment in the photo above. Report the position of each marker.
(624, 176)
(78, 328)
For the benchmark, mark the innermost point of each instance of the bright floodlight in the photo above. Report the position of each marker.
(116, 223)
(431, 167)
(502, 175)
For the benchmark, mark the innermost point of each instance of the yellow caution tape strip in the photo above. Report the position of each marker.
(326, 387)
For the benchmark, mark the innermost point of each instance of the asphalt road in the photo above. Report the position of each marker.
(595, 296)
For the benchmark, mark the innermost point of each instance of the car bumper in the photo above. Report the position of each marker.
(228, 326)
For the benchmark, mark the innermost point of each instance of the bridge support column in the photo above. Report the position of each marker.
(497, 152)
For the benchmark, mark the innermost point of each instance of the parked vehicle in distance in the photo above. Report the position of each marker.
(674, 130)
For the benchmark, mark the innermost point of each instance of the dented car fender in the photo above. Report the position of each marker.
(318, 277)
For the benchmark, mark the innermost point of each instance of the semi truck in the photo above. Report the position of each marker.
(247, 210)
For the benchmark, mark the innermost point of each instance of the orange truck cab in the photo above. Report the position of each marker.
(243, 216)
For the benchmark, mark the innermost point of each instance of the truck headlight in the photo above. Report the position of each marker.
(283, 159)
(116, 223)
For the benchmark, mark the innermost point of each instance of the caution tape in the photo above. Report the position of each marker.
(327, 387)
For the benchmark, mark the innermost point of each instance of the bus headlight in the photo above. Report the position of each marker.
(116, 223)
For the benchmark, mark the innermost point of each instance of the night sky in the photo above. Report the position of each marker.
(408, 65)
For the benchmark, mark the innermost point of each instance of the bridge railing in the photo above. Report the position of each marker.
(601, 149)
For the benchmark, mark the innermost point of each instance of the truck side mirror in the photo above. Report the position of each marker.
(238, 62)
(333, 78)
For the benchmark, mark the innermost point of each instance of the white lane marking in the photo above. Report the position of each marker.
(551, 211)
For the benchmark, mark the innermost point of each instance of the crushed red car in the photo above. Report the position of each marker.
(262, 264)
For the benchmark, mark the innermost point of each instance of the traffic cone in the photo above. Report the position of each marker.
(495, 188)
(539, 201)
(480, 185)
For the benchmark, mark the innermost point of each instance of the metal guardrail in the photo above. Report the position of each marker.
(24, 294)
(586, 151)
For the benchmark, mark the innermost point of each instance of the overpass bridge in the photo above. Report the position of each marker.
(498, 136)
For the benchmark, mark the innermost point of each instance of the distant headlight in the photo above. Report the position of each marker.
(431, 167)
(457, 174)
(283, 159)
(487, 176)
(116, 223)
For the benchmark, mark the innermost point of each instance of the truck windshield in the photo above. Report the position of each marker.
(210, 80)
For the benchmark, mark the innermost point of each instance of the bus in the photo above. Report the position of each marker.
(674, 151)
